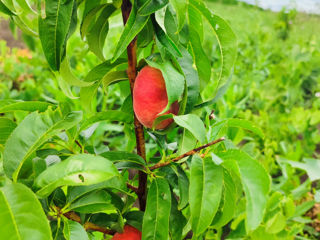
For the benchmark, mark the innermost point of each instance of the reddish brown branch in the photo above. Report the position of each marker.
(132, 71)
(192, 152)
(133, 188)
(88, 226)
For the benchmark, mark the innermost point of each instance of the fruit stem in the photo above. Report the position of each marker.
(132, 71)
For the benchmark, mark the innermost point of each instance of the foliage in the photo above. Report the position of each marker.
(67, 135)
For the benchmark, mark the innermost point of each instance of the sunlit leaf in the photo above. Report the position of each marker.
(19, 211)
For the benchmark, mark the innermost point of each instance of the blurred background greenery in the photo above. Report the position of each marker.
(275, 84)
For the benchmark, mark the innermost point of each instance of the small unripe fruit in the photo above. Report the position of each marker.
(129, 233)
(150, 98)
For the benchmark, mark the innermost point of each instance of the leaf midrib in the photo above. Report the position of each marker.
(12, 216)
(31, 149)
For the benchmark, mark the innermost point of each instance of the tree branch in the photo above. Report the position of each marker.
(132, 64)
(87, 225)
(133, 188)
(192, 152)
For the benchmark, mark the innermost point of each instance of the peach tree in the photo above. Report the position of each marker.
(173, 171)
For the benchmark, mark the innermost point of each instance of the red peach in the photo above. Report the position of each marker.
(129, 233)
(150, 98)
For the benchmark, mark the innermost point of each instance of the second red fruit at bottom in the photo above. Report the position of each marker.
(129, 233)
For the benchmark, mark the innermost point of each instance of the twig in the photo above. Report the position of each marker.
(192, 152)
(133, 188)
(80, 146)
(132, 71)
(87, 225)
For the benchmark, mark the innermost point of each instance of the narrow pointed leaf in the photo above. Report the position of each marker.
(152, 6)
(98, 33)
(9, 105)
(156, 217)
(109, 115)
(53, 30)
(180, 7)
(134, 25)
(226, 39)
(205, 191)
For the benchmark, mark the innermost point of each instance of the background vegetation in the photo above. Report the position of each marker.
(276, 85)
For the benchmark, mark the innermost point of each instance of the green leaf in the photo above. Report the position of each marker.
(156, 217)
(180, 7)
(31, 133)
(310, 165)
(53, 30)
(226, 39)
(187, 143)
(114, 77)
(152, 6)
(165, 40)
(5, 10)
(134, 25)
(77, 170)
(96, 75)
(228, 209)
(6, 128)
(145, 37)
(109, 115)
(192, 79)
(117, 183)
(125, 160)
(93, 202)
(68, 76)
(9, 105)
(92, 9)
(276, 224)
(303, 208)
(19, 211)
(74, 231)
(202, 61)
(204, 192)
(256, 184)
(98, 33)
(194, 124)
(177, 220)
(173, 79)
(183, 183)
(239, 123)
